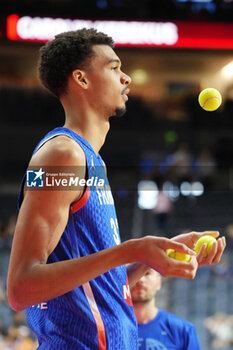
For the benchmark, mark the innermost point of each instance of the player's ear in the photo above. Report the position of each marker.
(80, 78)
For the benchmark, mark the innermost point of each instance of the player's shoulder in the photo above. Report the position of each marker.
(60, 150)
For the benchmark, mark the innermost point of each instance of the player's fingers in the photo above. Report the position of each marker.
(178, 247)
(215, 234)
(209, 259)
(201, 254)
(220, 249)
(183, 269)
(197, 235)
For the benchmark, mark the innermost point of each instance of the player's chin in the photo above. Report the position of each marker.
(138, 299)
(120, 111)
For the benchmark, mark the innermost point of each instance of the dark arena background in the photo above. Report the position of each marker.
(165, 143)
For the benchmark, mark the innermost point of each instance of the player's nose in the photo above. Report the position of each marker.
(125, 79)
(140, 281)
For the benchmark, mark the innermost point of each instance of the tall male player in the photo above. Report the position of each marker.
(67, 265)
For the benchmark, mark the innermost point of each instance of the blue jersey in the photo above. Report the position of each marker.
(99, 314)
(167, 332)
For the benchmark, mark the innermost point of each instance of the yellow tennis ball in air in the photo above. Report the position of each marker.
(178, 256)
(209, 240)
(210, 99)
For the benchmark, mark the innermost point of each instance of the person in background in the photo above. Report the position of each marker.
(158, 329)
(181, 164)
(206, 166)
(162, 211)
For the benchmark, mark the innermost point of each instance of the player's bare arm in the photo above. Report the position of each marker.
(41, 222)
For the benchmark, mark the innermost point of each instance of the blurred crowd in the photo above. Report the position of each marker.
(184, 165)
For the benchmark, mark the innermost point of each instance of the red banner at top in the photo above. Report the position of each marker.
(127, 33)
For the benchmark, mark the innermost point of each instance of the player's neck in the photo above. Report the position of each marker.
(90, 127)
(85, 120)
(145, 312)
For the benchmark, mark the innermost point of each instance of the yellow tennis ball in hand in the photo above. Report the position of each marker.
(178, 256)
(210, 99)
(209, 240)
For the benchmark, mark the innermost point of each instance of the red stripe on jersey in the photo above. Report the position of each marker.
(81, 202)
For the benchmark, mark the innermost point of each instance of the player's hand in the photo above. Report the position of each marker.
(152, 252)
(214, 255)
(216, 252)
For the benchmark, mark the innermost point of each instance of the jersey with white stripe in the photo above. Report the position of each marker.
(99, 314)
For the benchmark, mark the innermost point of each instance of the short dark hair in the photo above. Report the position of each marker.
(65, 53)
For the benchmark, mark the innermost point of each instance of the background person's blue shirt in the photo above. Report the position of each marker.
(167, 332)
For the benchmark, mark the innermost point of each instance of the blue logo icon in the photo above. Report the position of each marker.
(35, 178)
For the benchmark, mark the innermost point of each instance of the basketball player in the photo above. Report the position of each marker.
(68, 266)
(158, 329)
